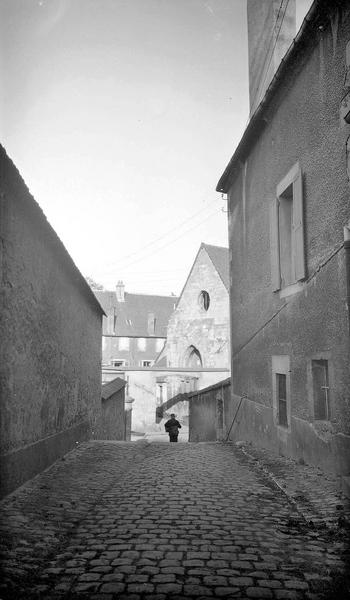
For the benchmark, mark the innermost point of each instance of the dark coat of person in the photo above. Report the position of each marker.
(172, 426)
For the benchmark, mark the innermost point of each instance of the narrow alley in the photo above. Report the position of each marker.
(155, 521)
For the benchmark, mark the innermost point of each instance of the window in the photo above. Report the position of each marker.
(282, 399)
(141, 344)
(193, 358)
(161, 392)
(320, 382)
(146, 363)
(281, 391)
(118, 363)
(123, 343)
(204, 300)
(159, 344)
(287, 231)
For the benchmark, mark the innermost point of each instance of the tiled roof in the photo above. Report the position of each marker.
(219, 257)
(110, 388)
(132, 314)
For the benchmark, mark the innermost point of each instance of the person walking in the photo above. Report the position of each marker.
(172, 426)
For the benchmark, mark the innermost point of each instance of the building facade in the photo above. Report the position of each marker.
(134, 328)
(151, 388)
(288, 200)
(50, 330)
(198, 333)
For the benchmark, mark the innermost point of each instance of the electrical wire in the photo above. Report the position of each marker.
(166, 234)
(165, 245)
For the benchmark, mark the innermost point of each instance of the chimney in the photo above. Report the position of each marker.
(271, 29)
(119, 289)
(151, 324)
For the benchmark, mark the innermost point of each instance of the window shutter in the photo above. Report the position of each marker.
(274, 246)
(298, 228)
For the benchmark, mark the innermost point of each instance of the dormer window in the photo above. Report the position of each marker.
(204, 300)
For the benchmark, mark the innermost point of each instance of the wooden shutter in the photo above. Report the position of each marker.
(298, 228)
(274, 246)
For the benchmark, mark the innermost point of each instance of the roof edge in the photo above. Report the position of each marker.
(54, 239)
(257, 121)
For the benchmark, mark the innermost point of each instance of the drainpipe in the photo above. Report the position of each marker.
(347, 268)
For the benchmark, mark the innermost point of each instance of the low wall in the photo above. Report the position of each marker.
(254, 422)
(206, 421)
(19, 466)
(113, 418)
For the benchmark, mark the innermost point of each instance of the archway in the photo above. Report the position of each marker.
(193, 358)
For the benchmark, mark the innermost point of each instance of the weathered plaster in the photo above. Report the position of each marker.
(50, 331)
(301, 124)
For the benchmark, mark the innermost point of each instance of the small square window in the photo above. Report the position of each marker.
(118, 363)
(146, 363)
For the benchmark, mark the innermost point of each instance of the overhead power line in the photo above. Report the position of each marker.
(166, 234)
(123, 267)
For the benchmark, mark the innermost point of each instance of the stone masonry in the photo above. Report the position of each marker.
(155, 521)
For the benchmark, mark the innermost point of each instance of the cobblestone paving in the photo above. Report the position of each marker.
(316, 495)
(157, 521)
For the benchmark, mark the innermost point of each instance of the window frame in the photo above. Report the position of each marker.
(141, 344)
(148, 360)
(292, 179)
(324, 356)
(123, 344)
(204, 300)
(124, 363)
(281, 366)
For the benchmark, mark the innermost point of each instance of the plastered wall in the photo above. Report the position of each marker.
(302, 123)
(51, 338)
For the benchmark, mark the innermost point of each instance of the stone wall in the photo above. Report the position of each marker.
(191, 325)
(142, 387)
(51, 339)
(207, 418)
(113, 414)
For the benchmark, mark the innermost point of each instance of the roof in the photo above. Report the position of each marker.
(132, 314)
(219, 257)
(112, 387)
(10, 176)
(316, 19)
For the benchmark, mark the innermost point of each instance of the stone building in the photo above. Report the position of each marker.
(197, 350)
(134, 328)
(198, 332)
(50, 331)
(288, 203)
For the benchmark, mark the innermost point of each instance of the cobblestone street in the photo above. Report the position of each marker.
(156, 521)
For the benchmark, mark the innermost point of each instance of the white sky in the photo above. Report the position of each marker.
(121, 116)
